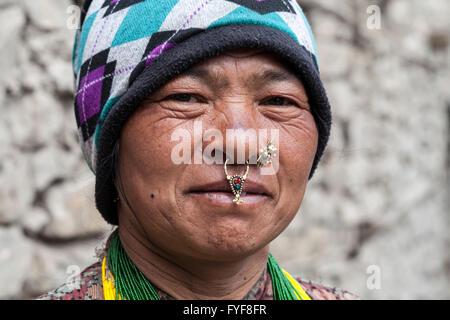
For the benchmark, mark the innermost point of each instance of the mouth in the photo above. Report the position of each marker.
(219, 192)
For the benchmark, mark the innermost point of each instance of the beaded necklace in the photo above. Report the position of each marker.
(125, 281)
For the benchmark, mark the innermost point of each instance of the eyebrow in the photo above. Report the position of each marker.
(278, 75)
(269, 76)
(258, 79)
(212, 79)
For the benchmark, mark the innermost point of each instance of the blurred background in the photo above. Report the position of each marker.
(375, 220)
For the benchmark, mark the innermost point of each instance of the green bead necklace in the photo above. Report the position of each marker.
(131, 284)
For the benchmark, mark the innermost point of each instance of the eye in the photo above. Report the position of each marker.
(185, 97)
(278, 101)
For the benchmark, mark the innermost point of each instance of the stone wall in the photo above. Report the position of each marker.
(377, 206)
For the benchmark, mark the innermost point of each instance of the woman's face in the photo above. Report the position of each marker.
(187, 209)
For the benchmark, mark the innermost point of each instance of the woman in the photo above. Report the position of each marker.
(155, 82)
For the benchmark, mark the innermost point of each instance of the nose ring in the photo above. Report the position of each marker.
(236, 182)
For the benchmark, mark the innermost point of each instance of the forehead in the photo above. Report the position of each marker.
(244, 56)
(249, 66)
(252, 68)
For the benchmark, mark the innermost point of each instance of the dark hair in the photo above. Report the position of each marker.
(117, 178)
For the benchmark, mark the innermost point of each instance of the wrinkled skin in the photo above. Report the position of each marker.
(194, 243)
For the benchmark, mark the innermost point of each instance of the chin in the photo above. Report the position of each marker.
(230, 244)
(229, 252)
(229, 232)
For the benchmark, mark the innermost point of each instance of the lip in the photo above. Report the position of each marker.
(219, 193)
(223, 186)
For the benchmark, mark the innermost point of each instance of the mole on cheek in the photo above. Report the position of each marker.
(152, 196)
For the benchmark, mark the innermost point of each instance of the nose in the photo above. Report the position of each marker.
(237, 122)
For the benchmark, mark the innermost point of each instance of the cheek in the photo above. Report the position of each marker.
(143, 154)
(149, 176)
(148, 140)
(145, 158)
(298, 146)
(298, 142)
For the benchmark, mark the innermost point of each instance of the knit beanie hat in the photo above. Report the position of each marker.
(127, 49)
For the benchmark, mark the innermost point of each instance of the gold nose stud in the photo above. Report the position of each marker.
(266, 154)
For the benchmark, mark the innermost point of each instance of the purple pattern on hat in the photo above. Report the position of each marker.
(89, 99)
(155, 53)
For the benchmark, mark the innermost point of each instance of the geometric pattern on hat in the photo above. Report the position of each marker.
(114, 5)
(119, 39)
(270, 6)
